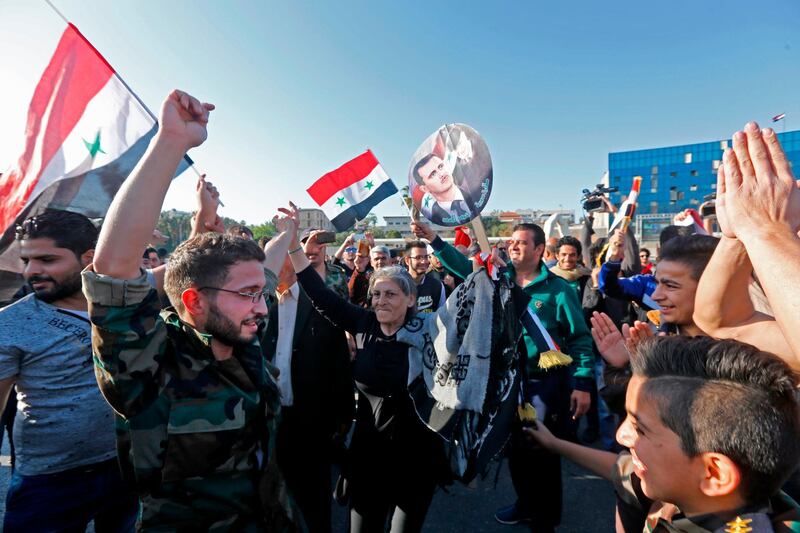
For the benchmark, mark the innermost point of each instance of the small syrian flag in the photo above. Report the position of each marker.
(550, 355)
(776, 118)
(350, 192)
(86, 132)
(628, 208)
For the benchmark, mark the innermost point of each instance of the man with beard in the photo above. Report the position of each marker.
(66, 473)
(197, 407)
(430, 291)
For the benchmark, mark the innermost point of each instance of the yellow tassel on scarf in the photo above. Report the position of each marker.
(553, 358)
(526, 413)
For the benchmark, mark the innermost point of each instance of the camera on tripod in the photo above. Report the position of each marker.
(592, 201)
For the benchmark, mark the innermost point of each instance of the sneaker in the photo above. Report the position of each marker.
(511, 515)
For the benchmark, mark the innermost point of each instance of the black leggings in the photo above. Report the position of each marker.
(394, 478)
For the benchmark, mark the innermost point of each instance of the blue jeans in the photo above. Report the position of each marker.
(67, 501)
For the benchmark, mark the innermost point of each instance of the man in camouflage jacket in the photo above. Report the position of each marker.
(196, 406)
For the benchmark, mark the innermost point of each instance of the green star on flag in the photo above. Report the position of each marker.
(369, 185)
(340, 201)
(94, 147)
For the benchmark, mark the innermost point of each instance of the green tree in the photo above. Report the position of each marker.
(371, 220)
(267, 229)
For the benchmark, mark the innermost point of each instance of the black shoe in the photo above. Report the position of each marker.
(511, 515)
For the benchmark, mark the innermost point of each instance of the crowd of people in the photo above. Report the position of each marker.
(215, 389)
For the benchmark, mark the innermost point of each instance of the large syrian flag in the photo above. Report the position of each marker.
(85, 133)
(349, 193)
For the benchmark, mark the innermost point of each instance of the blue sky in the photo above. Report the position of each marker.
(301, 87)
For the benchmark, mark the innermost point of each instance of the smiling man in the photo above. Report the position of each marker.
(197, 408)
(680, 265)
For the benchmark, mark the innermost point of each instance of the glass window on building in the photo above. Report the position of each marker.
(715, 164)
(693, 173)
(694, 201)
(693, 187)
(673, 174)
(673, 194)
(654, 183)
(723, 145)
(653, 208)
(687, 157)
(654, 170)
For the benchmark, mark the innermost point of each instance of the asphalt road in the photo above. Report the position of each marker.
(588, 503)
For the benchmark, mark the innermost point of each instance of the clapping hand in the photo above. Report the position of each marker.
(759, 192)
(609, 340)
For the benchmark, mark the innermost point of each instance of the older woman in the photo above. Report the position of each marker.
(395, 461)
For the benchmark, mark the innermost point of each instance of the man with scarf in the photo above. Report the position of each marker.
(535, 473)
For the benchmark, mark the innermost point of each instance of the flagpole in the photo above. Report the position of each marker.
(59, 13)
(136, 96)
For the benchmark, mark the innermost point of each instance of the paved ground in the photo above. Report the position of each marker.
(588, 503)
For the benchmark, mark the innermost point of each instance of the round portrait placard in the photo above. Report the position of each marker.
(450, 177)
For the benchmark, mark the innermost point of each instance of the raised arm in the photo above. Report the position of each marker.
(762, 201)
(205, 219)
(329, 304)
(598, 461)
(347, 242)
(451, 259)
(135, 209)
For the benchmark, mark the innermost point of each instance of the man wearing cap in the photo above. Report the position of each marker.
(379, 257)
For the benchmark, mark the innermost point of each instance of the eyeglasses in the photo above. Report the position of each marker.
(255, 297)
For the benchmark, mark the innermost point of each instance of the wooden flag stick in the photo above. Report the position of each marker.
(480, 234)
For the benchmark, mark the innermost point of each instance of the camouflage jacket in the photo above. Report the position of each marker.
(636, 512)
(336, 280)
(194, 434)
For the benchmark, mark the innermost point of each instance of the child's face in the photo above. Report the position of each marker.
(666, 472)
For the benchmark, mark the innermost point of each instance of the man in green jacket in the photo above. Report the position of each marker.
(558, 392)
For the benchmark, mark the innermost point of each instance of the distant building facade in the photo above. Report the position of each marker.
(314, 218)
(674, 178)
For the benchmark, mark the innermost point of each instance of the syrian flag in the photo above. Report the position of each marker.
(86, 131)
(550, 355)
(628, 208)
(350, 192)
(776, 118)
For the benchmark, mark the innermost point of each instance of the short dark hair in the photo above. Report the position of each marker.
(415, 244)
(708, 358)
(644, 250)
(538, 232)
(670, 232)
(421, 163)
(238, 229)
(694, 251)
(69, 230)
(204, 261)
(754, 427)
(569, 240)
(162, 253)
(148, 251)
